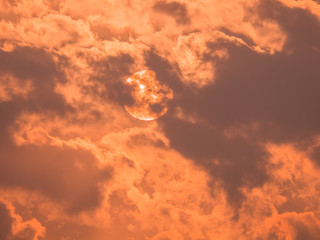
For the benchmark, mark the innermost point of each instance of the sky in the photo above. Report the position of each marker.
(236, 156)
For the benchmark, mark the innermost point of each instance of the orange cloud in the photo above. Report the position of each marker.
(11, 87)
(70, 28)
(20, 229)
(234, 158)
(309, 5)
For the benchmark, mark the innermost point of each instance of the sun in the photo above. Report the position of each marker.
(150, 97)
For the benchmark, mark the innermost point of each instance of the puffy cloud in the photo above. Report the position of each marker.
(85, 28)
(14, 227)
(6, 222)
(310, 5)
(11, 87)
(285, 207)
(235, 157)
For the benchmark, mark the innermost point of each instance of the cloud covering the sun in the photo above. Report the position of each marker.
(235, 157)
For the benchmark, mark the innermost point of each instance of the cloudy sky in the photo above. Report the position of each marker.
(236, 157)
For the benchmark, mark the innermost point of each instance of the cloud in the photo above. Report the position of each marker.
(11, 87)
(14, 228)
(235, 157)
(6, 222)
(64, 174)
(311, 6)
(175, 9)
(85, 28)
(279, 209)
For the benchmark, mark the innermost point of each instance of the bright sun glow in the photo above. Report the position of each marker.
(150, 97)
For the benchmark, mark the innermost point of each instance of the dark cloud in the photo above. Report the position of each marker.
(112, 73)
(174, 9)
(69, 176)
(27, 63)
(303, 232)
(165, 73)
(54, 4)
(315, 155)
(5, 222)
(9, 111)
(53, 171)
(25, 234)
(121, 210)
(38, 66)
(11, 2)
(236, 162)
(157, 107)
(36, 168)
(56, 230)
(278, 92)
(240, 162)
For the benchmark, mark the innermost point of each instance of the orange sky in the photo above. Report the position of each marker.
(236, 157)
